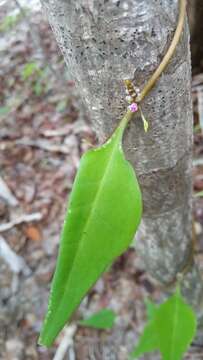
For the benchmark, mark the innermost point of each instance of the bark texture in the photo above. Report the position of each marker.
(105, 42)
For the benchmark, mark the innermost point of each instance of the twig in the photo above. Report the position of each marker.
(197, 80)
(44, 145)
(66, 342)
(197, 162)
(6, 194)
(58, 132)
(25, 218)
(71, 353)
(15, 262)
(66, 130)
(152, 81)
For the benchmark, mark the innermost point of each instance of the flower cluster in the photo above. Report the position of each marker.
(131, 93)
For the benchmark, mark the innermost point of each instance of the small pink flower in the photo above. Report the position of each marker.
(133, 107)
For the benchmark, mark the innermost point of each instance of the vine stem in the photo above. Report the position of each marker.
(125, 120)
(152, 81)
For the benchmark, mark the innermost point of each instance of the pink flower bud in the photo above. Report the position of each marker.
(133, 107)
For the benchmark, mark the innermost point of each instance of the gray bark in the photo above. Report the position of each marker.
(105, 42)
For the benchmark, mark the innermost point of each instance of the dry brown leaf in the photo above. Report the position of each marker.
(33, 233)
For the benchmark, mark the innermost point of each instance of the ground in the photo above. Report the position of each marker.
(44, 131)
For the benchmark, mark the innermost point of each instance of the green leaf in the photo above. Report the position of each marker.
(199, 194)
(197, 128)
(151, 308)
(30, 69)
(176, 327)
(148, 341)
(62, 105)
(9, 22)
(38, 88)
(103, 319)
(4, 110)
(144, 120)
(104, 212)
(170, 330)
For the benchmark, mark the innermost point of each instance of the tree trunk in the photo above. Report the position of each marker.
(105, 42)
(195, 10)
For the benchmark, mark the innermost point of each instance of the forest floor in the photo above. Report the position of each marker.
(44, 130)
